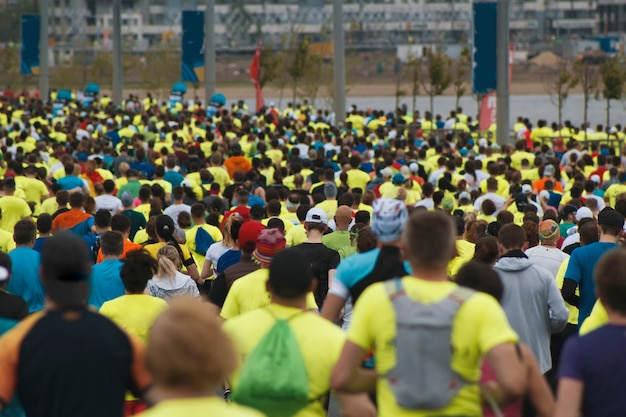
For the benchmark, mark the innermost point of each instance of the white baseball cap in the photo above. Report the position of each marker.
(316, 215)
(583, 213)
(526, 189)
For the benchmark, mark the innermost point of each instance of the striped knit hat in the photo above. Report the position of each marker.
(268, 244)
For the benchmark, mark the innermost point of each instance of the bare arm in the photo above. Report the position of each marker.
(569, 397)
(207, 269)
(193, 273)
(332, 307)
(509, 370)
(348, 375)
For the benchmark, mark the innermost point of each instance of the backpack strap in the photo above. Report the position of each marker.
(394, 287)
(461, 294)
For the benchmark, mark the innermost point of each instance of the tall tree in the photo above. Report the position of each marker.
(613, 79)
(298, 62)
(412, 71)
(439, 76)
(463, 66)
(589, 79)
(559, 86)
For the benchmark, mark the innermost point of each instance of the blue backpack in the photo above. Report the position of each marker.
(203, 241)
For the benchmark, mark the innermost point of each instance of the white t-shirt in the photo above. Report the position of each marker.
(109, 202)
(547, 257)
(175, 209)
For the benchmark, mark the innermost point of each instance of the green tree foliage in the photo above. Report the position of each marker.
(613, 78)
(412, 72)
(11, 22)
(298, 61)
(589, 80)
(462, 69)
(439, 77)
(560, 85)
(270, 65)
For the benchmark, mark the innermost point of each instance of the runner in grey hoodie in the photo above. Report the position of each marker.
(532, 302)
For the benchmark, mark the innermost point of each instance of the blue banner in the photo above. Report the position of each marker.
(193, 47)
(484, 77)
(29, 59)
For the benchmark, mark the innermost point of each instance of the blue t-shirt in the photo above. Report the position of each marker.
(598, 361)
(70, 182)
(106, 283)
(39, 243)
(582, 262)
(174, 178)
(25, 280)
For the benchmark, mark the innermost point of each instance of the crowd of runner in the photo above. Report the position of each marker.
(153, 255)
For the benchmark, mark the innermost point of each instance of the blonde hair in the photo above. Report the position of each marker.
(187, 347)
(169, 262)
(228, 240)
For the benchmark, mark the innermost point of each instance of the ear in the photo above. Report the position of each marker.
(501, 248)
(525, 246)
(268, 287)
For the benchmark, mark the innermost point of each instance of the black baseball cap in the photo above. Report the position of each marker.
(611, 217)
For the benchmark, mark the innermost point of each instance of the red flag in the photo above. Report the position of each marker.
(487, 111)
(255, 72)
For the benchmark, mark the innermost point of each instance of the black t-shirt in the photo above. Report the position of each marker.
(74, 364)
(321, 259)
(12, 306)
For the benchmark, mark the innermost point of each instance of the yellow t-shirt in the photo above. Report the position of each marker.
(479, 326)
(249, 293)
(220, 176)
(358, 179)
(319, 340)
(465, 252)
(288, 225)
(7, 243)
(14, 209)
(296, 235)
(329, 207)
(153, 249)
(199, 407)
(213, 231)
(560, 276)
(597, 318)
(613, 191)
(134, 313)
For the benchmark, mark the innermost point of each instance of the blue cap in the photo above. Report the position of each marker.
(398, 179)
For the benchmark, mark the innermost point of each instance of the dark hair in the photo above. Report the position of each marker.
(164, 228)
(102, 218)
(108, 186)
(184, 220)
(610, 276)
(283, 282)
(76, 200)
(120, 223)
(366, 239)
(24, 232)
(532, 233)
(588, 233)
(112, 243)
(486, 250)
(138, 268)
(481, 277)
(362, 216)
(178, 193)
(44, 223)
(198, 211)
(276, 223)
(512, 236)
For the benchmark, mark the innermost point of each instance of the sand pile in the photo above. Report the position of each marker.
(546, 59)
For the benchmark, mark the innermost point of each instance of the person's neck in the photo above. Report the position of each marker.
(299, 303)
(395, 244)
(198, 222)
(549, 244)
(615, 317)
(435, 275)
(604, 238)
(178, 202)
(111, 258)
(45, 235)
(158, 393)
(313, 236)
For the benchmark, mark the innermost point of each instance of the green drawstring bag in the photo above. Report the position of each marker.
(274, 379)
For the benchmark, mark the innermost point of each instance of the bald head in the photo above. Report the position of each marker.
(343, 217)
